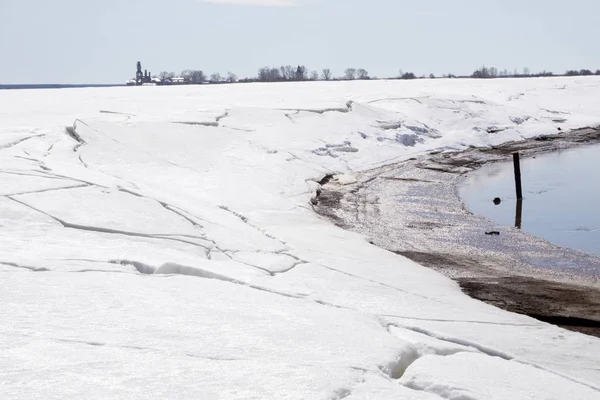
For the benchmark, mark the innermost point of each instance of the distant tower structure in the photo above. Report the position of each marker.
(139, 75)
(142, 76)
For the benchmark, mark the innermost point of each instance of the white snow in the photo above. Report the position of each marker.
(166, 247)
(467, 376)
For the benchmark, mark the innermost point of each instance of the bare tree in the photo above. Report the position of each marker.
(350, 74)
(215, 78)
(301, 73)
(291, 72)
(288, 73)
(526, 71)
(193, 76)
(263, 74)
(400, 73)
(284, 74)
(231, 77)
(314, 76)
(326, 75)
(431, 76)
(362, 74)
(166, 76)
(267, 74)
(186, 75)
(485, 73)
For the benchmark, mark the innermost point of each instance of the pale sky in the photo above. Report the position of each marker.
(100, 41)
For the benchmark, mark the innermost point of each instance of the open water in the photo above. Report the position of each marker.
(561, 196)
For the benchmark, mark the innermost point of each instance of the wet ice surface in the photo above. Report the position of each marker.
(413, 207)
(164, 245)
(561, 193)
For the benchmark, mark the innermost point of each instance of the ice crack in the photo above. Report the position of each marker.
(34, 269)
(16, 142)
(69, 225)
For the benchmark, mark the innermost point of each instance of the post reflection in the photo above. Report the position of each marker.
(519, 213)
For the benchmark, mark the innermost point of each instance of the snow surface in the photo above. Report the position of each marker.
(164, 246)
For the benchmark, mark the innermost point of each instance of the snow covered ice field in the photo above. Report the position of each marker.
(164, 246)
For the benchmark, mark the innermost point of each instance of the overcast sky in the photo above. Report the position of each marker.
(99, 41)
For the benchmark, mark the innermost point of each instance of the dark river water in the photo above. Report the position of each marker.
(561, 196)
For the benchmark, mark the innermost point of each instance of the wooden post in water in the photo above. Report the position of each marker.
(517, 163)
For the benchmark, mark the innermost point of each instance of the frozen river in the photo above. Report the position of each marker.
(560, 190)
(165, 245)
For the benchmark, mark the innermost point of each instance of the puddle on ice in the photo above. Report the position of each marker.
(561, 196)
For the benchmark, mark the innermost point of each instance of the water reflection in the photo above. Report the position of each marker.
(560, 196)
(519, 214)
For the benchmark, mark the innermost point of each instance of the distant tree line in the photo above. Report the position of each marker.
(194, 77)
(289, 73)
(286, 73)
(582, 72)
(299, 73)
(492, 72)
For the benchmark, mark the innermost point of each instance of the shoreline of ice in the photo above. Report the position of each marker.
(414, 208)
